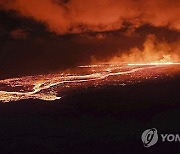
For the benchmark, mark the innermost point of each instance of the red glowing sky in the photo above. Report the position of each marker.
(76, 16)
(52, 35)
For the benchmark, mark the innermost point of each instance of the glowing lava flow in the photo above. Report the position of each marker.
(154, 63)
(48, 87)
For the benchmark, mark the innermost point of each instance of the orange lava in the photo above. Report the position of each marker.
(49, 87)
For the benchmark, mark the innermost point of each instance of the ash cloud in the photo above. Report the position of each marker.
(78, 16)
(153, 50)
(37, 37)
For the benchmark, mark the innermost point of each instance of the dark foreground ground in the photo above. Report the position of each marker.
(109, 119)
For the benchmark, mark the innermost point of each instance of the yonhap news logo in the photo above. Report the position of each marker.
(150, 137)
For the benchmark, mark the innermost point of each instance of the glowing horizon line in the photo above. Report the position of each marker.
(153, 63)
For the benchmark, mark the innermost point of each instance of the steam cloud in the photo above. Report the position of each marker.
(77, 16)
(120, 27)
(153, 51)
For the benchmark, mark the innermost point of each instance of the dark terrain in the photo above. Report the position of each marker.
(107, 119)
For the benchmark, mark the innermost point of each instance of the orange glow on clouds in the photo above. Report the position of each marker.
(153, 51)
(155, 60)
(76, 16)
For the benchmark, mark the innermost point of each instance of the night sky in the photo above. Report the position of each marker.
(128, 53)
(38, 37)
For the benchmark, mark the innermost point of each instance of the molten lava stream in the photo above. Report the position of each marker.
(48, 87)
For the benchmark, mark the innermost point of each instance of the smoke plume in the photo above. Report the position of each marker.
(77, 16)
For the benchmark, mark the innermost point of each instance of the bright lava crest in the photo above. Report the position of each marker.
(50, 87)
